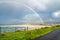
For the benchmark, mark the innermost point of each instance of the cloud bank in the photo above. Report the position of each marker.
(56, 14)
(29, 11)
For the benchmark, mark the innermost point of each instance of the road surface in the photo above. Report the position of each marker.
(55, 35)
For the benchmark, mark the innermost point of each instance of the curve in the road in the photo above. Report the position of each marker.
(55, 35)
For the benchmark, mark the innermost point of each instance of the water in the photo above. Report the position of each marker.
(13, 28)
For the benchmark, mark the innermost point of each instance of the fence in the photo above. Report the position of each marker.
(11, 29)
(10, 33)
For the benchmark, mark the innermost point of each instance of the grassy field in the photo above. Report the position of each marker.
(27, 35)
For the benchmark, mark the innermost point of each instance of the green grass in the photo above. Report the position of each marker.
(27, 35)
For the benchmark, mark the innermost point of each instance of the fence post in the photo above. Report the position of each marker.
(27, 28)
(0, 31)
(15, 29)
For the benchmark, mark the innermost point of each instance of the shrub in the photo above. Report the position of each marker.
(2, 34)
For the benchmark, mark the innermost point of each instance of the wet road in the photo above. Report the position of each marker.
(55, 35)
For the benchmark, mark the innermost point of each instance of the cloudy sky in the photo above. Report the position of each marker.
(29, 11)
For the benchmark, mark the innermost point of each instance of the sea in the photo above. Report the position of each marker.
(13, 28)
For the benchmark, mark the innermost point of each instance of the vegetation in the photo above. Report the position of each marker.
(27, 35)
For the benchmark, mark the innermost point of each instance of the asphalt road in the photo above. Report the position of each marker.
(55, 35)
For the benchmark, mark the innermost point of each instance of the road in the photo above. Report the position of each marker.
(55, 35)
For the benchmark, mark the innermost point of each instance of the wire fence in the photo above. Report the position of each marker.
(12, 33)
(11, 29)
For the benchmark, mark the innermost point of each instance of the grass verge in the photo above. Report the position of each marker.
(27, 35)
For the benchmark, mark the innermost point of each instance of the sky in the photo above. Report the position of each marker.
(29, 11)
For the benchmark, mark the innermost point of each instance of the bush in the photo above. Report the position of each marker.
(2, 34)
(18, 31)
(57, 25)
